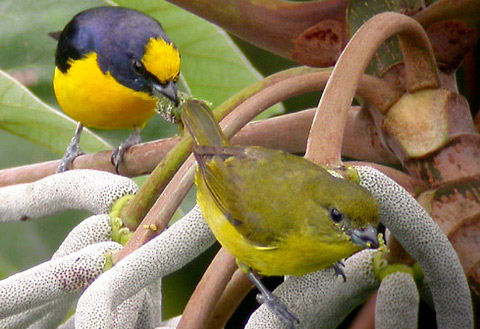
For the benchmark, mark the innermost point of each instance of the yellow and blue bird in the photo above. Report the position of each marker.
(112, 65)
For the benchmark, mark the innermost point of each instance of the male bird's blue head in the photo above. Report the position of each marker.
(130, 45)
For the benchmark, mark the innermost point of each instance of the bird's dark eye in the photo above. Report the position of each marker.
(336, 215)
(138, 67)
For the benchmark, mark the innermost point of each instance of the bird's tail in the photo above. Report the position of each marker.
(200, 123)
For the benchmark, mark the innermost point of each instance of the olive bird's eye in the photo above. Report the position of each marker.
(336, 215)
(138, 67)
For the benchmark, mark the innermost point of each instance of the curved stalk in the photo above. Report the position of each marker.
(234, 293)
(208, 291)
(326, 136)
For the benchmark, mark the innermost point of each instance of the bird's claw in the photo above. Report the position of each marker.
(339, 271)
(279, 309)
(117, 155)
(67, 159)
(73, 150)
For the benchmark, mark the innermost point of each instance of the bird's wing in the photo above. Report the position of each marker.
(245, 181)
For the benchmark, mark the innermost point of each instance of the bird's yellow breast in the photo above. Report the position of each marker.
(301, 252)
(97, 100)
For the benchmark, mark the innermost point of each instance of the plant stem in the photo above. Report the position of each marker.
(236, 290)
(208, 291)
(326, 136)
(312, 33)
(360, 143)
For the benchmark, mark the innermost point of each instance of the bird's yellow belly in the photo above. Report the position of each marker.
(97, 100)
(295, 255)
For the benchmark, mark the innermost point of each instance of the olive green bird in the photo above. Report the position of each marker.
(277, 213)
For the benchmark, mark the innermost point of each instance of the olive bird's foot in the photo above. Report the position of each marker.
(73, 150)
(117, 155)
(267, 297)
(279, 309)
(339, 270)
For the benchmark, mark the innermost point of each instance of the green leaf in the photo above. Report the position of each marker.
(27, 50)
(23, 114)
(213, 67)
(28, 55)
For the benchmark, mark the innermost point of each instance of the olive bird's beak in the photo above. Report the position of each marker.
(168, 90)
(365, 237)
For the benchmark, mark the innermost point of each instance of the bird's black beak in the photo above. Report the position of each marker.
(365, 237)
(168, 90)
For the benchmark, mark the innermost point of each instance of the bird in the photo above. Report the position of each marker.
(112, 64)
(276, 213)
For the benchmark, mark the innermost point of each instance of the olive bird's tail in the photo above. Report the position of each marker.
(200, 123)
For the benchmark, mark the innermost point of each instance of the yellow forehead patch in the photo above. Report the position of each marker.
(162, 60)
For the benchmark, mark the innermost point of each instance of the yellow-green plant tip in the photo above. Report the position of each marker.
(417, 273)
(379, 264)
(116, 223)
(108, 262)
(392, 268)
(125, 237)
(383, 246)
(184, 97)
(352, 174)
(120, 234)
(172, 113)
(119, 204)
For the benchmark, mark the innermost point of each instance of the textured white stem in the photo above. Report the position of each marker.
(125, 316)
(54, 279)
(90, 190)
(427, 244)
(321, 299)
(92, 230)
(169, 251)
(55, 316)
(32, 315)
(152, 306)
(397, 302)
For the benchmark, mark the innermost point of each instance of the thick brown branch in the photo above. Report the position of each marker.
(139, 160)
(312, 33)
(361, 142)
